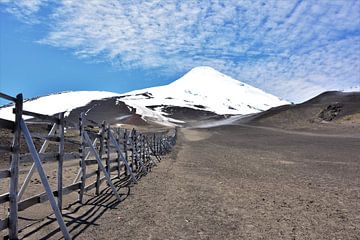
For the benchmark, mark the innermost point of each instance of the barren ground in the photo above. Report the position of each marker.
(230, 182)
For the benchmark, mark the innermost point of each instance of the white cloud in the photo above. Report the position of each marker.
(24, 9)
(290, 48)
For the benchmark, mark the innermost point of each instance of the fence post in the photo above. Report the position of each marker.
(82, 158)
(146, 149)
(141, 148)
(60, 161)
(118, 159)
(126, 151)
(45, 182)
(101, 152)
(32, 168)
(133, 150)
(154, 144)
(108, 148)
(14, 170)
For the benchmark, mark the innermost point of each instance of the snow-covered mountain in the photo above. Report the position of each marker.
(59, 102)
(203, 89)
(203, 92)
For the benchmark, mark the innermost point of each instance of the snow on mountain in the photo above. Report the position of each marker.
(202, 88)
(353, 89)
(55, 103)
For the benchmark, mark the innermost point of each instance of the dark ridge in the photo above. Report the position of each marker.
(334, 96)
(200, 106)
(146, 94)
(327, 106)
(110, 109)
(189, 114)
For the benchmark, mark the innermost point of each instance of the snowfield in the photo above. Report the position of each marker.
(56, 103)
(202, 88)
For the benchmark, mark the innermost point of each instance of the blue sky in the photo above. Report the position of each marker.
(292, 49)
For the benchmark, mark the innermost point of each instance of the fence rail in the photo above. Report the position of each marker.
(116, 152)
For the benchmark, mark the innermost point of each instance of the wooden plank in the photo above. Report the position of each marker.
(118, 158)
(4, 198)
(51, 157)
(31, 201)
(5, 148)
(91, 174)
(113, 168)
(42, 116)
(60, 161)
(48, 138)
(101, 152)
(14, 170)
(71, 188)
(107, 146)
(7, 124)
(125, 148)
(122, 157)
(44, 180)
(82, 159)
(71, 156)
(32, 169)
(90, 162)
(108, 179)
(4, 224)
(7, 97)
(93, 185)
(4, 174)
(93, 135)
(73, 141)
(42, 197)
(78, 175)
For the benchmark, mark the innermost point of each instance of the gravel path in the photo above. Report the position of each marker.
(252, 184)
(234, 182)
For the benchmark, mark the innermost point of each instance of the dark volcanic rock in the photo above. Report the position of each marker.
(110, 110)
(186, 113)
(328, 106)
(331, 111)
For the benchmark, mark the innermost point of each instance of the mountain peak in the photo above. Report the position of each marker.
(202, 88)
(203, 69)
(204, 77)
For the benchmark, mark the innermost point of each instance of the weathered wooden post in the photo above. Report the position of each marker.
(146, 149)
(160, 146)
(154, 144)
(118, 131)
(134, 149)
(101, 152)
(108, 149)
(126, 135)
(14, 170)
(60, 160)
(82, 158)
(141, 143)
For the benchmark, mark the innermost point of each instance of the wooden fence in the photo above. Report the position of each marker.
(115, 153)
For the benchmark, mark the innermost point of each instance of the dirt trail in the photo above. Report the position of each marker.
(244, 183)
(195, 135)
(235, 182)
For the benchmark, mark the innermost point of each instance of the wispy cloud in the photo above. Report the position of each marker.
(294, 49)
(25, 10)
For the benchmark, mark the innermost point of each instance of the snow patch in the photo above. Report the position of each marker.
(56, 103)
